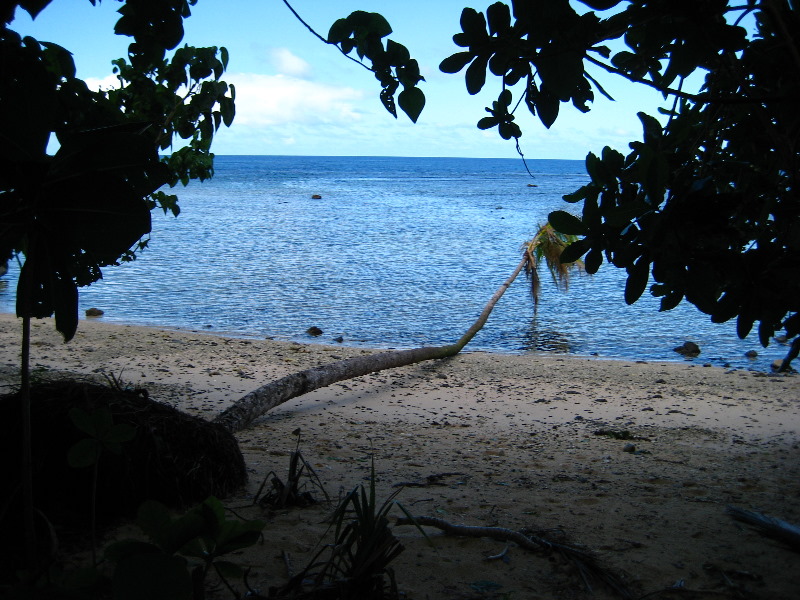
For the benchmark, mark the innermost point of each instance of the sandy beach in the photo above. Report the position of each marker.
(495, 440)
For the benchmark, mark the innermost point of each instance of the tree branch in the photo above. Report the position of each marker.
(699, 98)
(315, 34)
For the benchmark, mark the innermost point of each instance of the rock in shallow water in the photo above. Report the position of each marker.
(688, 349)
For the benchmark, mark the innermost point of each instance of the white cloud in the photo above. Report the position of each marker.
(288, 63)
(106, 83)
(265, 100)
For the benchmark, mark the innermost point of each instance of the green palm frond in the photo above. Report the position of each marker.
(547, 246)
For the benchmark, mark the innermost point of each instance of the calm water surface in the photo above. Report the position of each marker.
(397, 253)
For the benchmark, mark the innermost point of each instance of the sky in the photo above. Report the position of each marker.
(296, 95)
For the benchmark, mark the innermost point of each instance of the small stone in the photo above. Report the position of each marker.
(751, 354)
(94, 312)
(629, 448)
(338, 340)
(688, 349)
(315, 331)
(316, 197)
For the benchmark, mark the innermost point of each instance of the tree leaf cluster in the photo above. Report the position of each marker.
(705, 206)
(103, 434)
(391, 62)
(88, 206)
(180, 552)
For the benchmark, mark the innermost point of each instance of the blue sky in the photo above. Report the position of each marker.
(298, 96)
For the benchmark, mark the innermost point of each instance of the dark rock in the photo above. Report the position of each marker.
(316, 197)
(315, 331)
(751, 354)
(94, 312)
(688, 349)
(338, 340)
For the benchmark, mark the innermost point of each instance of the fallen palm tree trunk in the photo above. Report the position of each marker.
(584, 561)
(244, 411)
(769, 526)
(546, 246)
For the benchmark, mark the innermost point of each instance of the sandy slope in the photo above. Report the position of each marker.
(487, 439)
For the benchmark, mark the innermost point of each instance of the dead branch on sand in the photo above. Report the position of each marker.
(586, 562)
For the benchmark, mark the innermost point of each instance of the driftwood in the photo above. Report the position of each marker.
(586, 563)
(247, 409)
(768, 526)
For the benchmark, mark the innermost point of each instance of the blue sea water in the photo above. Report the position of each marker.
(397, 253)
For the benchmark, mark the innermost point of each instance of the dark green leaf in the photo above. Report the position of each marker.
(499, 18)
(638, 275)
(378, 25)
(574, 251)
(765, 331)
(120, 433)
(509, 130)
(476, 74)
(561, 70)
(84, 421)
(411, 101)
(60, 59)
(670, 301)
(473, 24)
(488, 122)
(455, 62)
(65, 306)
(545, 104)
(653, 170)
(84, 453)
(153, 518)
(744, 324)
(339, 31)
(652, 128)
(396, 54)
(182, 531)
(581, 194)
(564, 222)
(593, 261)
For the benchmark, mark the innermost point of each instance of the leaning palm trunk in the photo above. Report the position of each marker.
(546, 246)
(247, 409)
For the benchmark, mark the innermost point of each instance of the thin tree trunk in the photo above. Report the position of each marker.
(247, 409)
(28, 523)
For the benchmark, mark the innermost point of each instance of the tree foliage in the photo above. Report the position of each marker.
(85, 207)
(392, 64)
(705, 206)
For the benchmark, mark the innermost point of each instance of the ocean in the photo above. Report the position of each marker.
(395, 253)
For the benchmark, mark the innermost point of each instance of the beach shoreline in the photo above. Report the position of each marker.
(523, 437)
